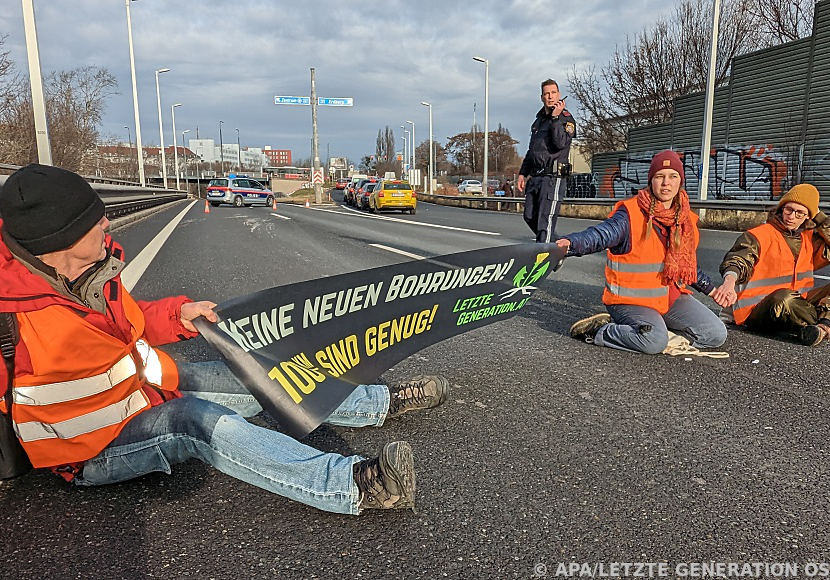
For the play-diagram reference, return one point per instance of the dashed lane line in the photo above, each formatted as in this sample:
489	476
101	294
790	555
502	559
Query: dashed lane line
397	251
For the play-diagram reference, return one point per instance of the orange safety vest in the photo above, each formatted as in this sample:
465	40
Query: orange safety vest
85	386
776	268
635	278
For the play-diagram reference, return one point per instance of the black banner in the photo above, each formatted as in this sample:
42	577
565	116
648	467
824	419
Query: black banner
301	348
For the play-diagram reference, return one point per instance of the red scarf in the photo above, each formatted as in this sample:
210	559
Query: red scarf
680	264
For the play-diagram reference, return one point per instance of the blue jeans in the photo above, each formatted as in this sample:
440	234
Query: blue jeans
208	424
686	316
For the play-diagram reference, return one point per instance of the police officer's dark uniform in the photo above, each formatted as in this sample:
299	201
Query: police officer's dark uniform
546	170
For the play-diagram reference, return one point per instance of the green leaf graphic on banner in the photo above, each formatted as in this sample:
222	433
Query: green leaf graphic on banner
525	278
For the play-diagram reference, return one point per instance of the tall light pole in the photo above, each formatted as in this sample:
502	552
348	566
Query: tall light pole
486	119
403	164
184	152
424	103
412	147
407	152
221	151
44	151
161	128
710	101
141	178
238	154
175	151
130	149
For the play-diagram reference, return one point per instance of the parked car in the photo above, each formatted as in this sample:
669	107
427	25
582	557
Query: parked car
239	191
341	183
492	186
470	186
394	194
363	200
359	189
348	193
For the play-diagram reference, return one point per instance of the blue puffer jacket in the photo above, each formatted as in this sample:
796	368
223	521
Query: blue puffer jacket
614	234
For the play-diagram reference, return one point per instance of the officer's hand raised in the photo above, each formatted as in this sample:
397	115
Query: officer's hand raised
558	108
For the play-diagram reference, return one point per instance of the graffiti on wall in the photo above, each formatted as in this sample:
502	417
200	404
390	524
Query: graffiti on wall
735	172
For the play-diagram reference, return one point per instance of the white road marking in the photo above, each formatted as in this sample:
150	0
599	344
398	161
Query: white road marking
397	251
378	217
282	217
821	277
133	271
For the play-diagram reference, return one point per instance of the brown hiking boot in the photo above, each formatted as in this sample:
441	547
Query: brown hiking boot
421	392
813	334
388	481
587	328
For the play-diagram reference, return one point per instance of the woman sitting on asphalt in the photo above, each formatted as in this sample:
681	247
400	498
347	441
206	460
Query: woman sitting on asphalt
768	273
652	241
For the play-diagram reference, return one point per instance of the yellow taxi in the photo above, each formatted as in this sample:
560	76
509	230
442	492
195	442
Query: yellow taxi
393	194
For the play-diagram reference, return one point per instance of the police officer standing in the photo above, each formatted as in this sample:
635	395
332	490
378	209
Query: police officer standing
545	169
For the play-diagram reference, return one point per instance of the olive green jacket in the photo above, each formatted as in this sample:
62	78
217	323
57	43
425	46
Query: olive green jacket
743	256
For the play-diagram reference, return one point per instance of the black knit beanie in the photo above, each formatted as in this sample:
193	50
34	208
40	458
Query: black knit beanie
46	208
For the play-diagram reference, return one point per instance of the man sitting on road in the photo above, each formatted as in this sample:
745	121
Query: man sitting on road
652	241
768	273
95	401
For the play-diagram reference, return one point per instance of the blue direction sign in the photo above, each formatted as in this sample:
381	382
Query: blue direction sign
336	101
292	100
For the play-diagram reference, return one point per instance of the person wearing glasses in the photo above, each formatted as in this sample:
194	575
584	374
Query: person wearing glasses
768	275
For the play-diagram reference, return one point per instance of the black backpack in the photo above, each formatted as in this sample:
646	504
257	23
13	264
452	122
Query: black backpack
13	459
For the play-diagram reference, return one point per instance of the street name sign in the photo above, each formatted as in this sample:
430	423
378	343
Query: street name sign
336	101
292	100
323	101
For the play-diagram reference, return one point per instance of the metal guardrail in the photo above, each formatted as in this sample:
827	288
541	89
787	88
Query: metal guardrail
121	197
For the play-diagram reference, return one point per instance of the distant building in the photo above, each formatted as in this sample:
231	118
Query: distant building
277	157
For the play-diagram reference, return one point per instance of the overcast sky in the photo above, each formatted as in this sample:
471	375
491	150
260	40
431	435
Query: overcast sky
229	58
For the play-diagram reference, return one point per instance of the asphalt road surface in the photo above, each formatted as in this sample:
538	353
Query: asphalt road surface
548	450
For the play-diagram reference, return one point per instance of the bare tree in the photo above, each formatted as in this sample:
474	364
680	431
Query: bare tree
385	157
669	59
782	21
75	103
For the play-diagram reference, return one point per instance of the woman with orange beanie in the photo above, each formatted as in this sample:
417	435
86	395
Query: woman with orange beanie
652	241
768	273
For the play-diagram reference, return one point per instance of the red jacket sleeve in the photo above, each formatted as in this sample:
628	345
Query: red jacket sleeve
162	320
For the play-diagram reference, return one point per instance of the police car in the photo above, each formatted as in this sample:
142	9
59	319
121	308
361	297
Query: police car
239	191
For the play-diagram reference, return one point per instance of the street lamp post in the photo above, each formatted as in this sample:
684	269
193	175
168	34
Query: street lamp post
710	100
221	151
44	150
486	115
184	153
406	152
135	100
238	154
424	103
412	147
161	128
175	151
130	149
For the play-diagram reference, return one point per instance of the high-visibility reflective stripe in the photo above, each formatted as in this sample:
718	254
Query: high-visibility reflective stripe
64	391
776	281
634	268
745	302
152	363
637	292
760	282
109	415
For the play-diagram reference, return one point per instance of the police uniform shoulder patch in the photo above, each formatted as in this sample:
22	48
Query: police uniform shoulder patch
570	128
